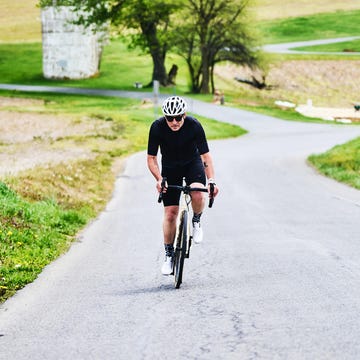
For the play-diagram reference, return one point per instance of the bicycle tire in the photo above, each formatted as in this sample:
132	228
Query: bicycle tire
180	251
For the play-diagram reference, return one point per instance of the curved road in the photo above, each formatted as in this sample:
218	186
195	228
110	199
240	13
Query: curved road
277	276
290	48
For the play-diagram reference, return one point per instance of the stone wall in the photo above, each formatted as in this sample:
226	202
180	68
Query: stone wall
69	51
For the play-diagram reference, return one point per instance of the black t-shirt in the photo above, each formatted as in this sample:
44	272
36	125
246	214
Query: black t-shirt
177	147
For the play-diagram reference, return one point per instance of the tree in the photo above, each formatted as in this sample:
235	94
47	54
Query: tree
152	17
149	18
214	31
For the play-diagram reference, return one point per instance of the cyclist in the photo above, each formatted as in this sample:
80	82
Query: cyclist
184	153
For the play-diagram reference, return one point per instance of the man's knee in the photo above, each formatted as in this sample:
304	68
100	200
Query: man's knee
197	196
171	213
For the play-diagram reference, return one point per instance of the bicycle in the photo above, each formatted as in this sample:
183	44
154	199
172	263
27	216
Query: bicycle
183	238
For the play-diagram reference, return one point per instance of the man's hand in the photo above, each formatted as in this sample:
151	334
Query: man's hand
161	185
212	188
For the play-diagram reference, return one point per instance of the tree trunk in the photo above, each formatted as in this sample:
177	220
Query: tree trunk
159	70
212	79
194	76
205	73
157	52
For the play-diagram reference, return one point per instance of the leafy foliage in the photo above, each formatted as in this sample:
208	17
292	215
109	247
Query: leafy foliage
216	32
45	3
149	20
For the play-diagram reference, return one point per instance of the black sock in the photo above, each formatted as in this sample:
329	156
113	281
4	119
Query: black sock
169	249
196	218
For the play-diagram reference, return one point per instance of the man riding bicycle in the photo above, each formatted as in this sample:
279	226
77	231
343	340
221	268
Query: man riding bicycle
184	154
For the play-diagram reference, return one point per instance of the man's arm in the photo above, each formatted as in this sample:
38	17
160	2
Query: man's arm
209	170
208	164
153	166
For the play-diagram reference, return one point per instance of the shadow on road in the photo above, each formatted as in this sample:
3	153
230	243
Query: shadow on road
150	290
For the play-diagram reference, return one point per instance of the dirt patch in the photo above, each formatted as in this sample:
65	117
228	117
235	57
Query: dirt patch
16	127
328	83
16	159
31	139
18	102
332	114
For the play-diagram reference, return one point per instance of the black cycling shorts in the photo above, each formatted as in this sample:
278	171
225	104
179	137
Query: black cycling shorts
192	172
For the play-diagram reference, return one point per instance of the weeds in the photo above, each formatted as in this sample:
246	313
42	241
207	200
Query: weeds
31	236
341	163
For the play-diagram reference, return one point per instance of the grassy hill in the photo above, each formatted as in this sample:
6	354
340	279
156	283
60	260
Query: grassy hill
19	21
280	9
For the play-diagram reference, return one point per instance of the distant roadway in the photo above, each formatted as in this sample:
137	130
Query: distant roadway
290	48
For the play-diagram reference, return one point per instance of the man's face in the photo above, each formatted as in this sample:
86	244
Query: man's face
175	122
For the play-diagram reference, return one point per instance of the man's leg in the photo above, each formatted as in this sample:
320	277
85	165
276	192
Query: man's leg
197	198
169	229
198	205
169	223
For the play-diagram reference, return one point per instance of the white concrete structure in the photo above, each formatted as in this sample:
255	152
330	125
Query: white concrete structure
69	51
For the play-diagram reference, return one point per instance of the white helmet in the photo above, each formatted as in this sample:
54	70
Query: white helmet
173	106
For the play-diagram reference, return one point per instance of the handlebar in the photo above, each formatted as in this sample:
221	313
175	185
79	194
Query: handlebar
186	189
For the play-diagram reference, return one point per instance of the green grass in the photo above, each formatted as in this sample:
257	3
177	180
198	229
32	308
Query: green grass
31	235
120	68
319	26
20	63
284	114
341	163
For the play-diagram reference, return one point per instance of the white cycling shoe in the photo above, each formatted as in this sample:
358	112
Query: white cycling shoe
168	265
197	233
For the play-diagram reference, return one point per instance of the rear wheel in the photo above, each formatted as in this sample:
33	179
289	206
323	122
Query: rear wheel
180	251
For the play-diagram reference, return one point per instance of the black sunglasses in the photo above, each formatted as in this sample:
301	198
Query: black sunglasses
178	118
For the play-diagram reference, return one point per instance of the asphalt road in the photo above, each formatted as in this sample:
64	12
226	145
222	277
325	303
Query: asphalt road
290	48
277	276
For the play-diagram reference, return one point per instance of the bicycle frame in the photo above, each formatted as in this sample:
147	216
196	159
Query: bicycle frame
183	238
185	200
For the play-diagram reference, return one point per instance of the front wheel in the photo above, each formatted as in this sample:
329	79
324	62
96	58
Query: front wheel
180	251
